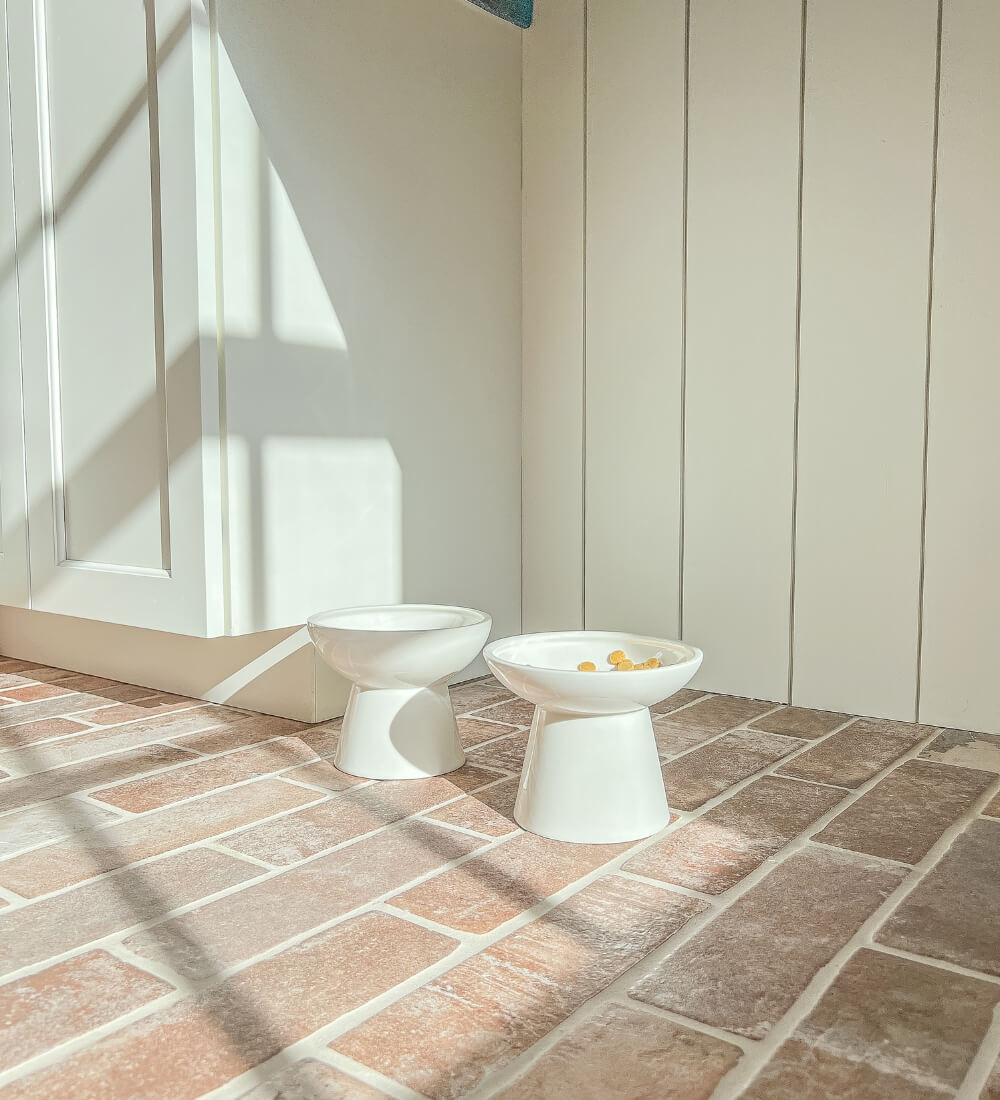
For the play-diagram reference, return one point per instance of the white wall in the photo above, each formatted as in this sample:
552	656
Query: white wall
371	272
781	272
368	389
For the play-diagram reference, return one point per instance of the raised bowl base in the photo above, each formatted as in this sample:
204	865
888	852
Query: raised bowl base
399	734
592	779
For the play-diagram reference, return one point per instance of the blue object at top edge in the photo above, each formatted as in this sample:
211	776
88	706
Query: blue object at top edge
518	12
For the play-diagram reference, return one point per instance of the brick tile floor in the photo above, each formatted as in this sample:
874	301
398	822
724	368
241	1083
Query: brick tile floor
194	900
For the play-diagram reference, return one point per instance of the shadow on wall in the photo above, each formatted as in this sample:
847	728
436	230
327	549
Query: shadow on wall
323	405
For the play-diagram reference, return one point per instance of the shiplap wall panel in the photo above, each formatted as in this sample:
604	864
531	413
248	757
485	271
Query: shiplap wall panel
634	235
961	628
868	154
552	320
743	173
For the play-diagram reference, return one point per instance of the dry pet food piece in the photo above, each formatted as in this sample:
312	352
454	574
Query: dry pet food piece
624	666
587	666
617	657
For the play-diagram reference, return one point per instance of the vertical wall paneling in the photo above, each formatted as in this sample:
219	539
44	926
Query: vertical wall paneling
742	244
961	620
13	505
634	244
553	319
866	209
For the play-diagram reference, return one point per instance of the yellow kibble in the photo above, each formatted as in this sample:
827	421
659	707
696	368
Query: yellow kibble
624	666
652	662
587	666
617	657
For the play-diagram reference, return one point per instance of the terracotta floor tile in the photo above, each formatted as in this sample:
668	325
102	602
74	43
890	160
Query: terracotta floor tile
203	775
47	708
471	777
95	851
861	750
29	827
43	730
312	1080
245	1020
323	738
490	812
706	772
720	848
107	689
507	753
474	694
322	773
28	789
31	692
970	750
745	969
69	750
243	924
35	932
694	724
14	680
118	713
69	999
352	814
473	732
491	888
800	722
444	1039
250	731
13	664
952	914
44	673
903	815
678	699
672	740
887	1029
630	1055
515	712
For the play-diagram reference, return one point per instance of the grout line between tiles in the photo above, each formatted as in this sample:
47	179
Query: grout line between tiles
314	1045
668	758
88	1039
937	964
619	988
988	1056
741	1075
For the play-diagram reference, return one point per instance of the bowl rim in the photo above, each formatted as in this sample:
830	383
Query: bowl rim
692	653
474	615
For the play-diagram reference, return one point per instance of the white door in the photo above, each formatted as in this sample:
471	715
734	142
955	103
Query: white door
13	522
112	143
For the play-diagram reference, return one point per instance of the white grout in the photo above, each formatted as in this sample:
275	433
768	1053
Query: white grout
469	944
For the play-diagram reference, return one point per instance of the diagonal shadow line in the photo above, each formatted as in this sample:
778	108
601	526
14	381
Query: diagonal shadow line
249	1033
49	219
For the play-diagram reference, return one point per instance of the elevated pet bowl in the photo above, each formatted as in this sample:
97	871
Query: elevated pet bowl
591	773
399	722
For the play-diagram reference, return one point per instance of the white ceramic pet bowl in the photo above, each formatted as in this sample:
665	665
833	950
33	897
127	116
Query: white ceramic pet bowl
399	722
591	773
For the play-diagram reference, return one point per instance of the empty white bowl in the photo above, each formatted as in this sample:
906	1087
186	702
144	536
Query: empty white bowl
591	772
399	722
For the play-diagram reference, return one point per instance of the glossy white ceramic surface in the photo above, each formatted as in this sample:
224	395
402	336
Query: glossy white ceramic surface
591	772
399	722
